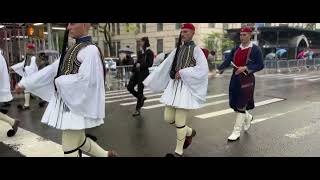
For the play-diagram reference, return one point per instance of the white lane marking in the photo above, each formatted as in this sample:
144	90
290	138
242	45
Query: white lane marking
314	79
279	114
297	76
307	77
229	110
131	98
279	75
133	103
162	105
215	103
121	90
153	106
126	92
301	132
30	144
126	95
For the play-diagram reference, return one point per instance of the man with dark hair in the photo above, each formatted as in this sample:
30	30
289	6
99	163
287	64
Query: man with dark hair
140	72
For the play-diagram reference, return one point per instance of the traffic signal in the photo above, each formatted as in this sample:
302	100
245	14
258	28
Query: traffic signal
30	31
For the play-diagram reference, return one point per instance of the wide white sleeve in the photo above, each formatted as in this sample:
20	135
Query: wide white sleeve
5	93
41	82
84	92
159	78
33	67
196	78
18	68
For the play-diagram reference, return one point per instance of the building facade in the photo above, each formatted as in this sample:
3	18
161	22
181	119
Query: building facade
162	36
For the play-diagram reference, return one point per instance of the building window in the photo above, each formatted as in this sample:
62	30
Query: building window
176	42
267	24
138	27
212	25
106	49
137	45
118	47
93	32
225	25
159	26
113	49
178	26
118	28
144	27
113	29
159	46
283	24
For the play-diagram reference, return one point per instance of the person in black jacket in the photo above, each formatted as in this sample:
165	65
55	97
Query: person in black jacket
139	72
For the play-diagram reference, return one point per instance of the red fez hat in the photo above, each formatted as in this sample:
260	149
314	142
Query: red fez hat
246	29
188	26
206	52
31	46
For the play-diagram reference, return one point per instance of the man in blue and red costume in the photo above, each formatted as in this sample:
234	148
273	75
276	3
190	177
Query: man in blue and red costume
245	59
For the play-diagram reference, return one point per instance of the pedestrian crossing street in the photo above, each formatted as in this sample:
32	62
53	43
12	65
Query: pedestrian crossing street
125	99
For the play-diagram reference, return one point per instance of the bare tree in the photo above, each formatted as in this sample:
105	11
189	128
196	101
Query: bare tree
106	30
311	26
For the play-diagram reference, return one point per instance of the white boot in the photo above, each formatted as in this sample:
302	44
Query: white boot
247	121
237	127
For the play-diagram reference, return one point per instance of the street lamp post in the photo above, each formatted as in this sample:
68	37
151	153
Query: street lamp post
49	36
256	34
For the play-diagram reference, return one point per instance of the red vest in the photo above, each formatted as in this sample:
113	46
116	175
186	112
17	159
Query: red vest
241	57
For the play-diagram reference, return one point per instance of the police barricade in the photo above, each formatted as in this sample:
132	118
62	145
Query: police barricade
310	63
293	65
270	66
317	63
282	66
118	76
302	65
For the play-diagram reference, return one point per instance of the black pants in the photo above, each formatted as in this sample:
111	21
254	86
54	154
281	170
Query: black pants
137	79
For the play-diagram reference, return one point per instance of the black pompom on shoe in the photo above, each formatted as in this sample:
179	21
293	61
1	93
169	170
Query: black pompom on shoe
14	129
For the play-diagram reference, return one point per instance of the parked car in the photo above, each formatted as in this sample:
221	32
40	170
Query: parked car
111	63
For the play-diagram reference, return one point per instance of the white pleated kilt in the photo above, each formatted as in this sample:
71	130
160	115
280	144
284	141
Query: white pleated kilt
58	118
5	96
178	95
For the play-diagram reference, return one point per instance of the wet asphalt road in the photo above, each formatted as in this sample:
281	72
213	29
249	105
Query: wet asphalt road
289	127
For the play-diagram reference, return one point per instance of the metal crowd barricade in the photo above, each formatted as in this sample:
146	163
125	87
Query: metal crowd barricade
302	65
317	63
270	65
293	65
310	63
282	65
118	76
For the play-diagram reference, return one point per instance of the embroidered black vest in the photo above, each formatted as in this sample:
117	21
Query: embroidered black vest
71	64
185	56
